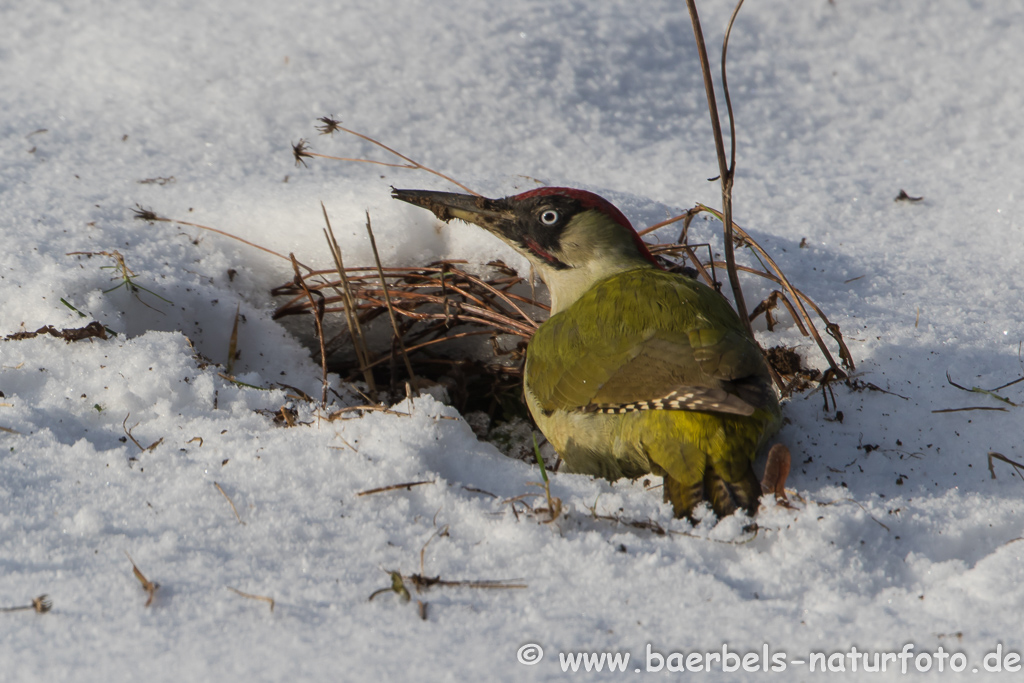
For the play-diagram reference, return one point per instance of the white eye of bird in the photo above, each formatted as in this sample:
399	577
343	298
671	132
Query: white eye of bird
549	217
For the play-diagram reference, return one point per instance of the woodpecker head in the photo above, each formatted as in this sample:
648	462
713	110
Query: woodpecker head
573	238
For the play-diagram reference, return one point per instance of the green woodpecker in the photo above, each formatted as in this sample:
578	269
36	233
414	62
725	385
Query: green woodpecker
637	370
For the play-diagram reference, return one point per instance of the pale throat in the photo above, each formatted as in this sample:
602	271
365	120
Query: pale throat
566	286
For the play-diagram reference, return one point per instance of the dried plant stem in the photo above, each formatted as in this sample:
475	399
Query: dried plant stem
394	487
150	587
798	298
667	221
725	170
233	342
999	456
725	88
250	596
230	502
351	315
41	604
317	306
387	300
414	164
361	161
147	215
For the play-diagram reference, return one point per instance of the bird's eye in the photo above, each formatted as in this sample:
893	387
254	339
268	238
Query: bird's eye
549	217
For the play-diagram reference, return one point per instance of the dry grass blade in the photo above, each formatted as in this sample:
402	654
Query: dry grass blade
351	314
233	342
330	125
250	596
443	531
992	455
369	407
725	168
150	216
70	334
421	582
149	586
395	487
987	392
41	605
798	298
317	306
387	300
429	309
230	502
128	432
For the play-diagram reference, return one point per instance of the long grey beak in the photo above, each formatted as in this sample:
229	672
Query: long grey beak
491	214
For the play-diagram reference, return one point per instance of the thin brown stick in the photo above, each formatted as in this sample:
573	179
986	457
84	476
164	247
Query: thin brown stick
351	316
387	300
725	88
361	161
784	281
369	407
128	432
150	587
230	502
999	456
394	487
443	531
41	604
318	316
233	342
147	215
267	599
421	582
724	169
415	163
667	221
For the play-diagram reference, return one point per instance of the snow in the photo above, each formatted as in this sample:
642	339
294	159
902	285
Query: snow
898	535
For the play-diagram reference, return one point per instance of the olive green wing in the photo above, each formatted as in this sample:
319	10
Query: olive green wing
647	339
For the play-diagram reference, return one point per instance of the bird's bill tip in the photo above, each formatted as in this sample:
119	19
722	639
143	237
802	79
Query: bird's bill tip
449	205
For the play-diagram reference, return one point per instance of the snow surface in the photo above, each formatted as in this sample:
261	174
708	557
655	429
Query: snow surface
901	535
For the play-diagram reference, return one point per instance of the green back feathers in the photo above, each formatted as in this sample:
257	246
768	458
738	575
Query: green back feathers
641	335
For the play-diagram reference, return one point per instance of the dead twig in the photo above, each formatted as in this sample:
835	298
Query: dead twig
992	455
128	432
149	586
394	487
317	306
987	392
372	408
233	342
41	604
230	502
250	596
726	169
92	330
351	314
424	582
387	300
331	125
148	215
